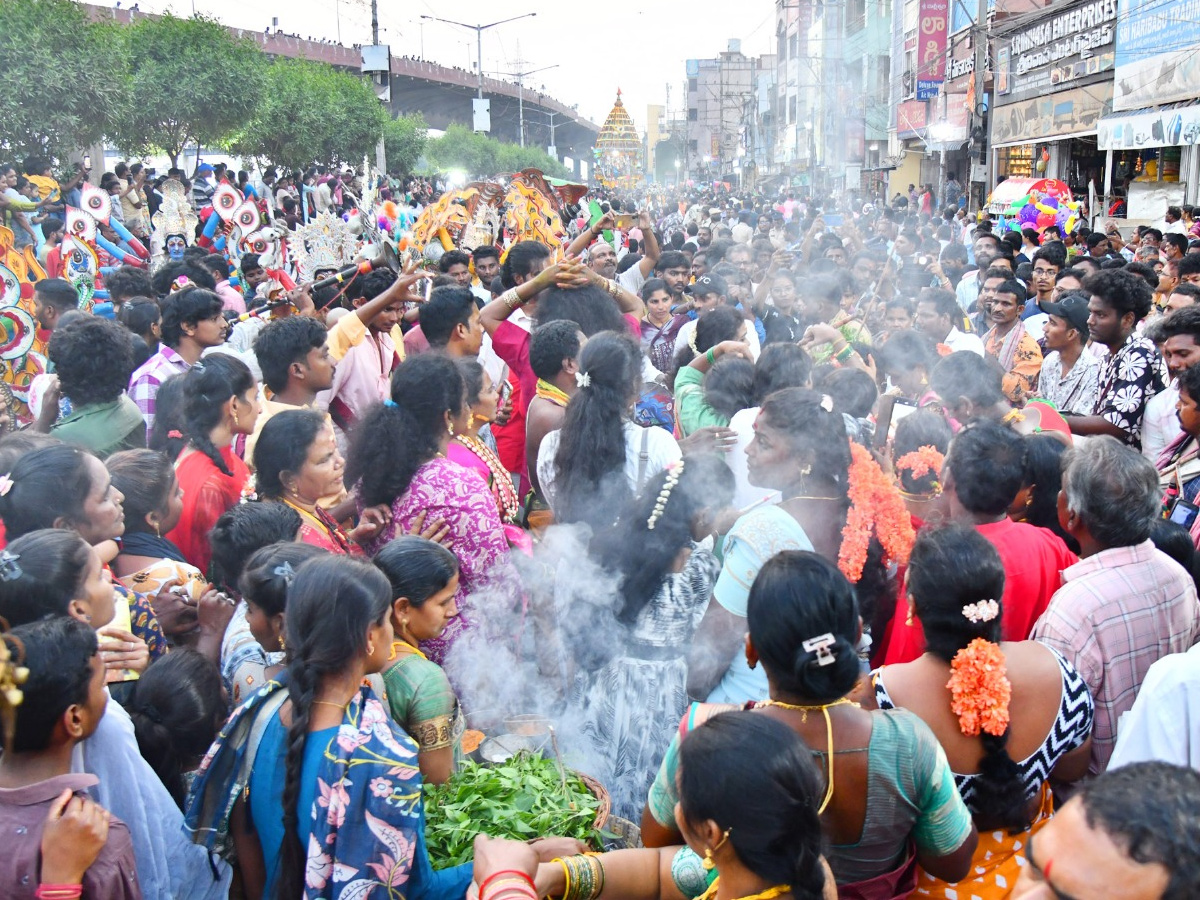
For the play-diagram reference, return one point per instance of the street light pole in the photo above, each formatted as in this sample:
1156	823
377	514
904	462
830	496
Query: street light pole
479	30
521	98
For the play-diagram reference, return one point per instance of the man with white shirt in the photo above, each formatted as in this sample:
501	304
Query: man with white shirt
938	316
1173	221
1069	378
1180	351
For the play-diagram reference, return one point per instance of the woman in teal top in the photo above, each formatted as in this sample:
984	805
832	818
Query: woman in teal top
319	746
424	579
887	786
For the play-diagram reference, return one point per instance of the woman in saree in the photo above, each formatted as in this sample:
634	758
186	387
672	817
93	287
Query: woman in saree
469	449
296	463
398	459
1009	715
424	580
747	819
1179	464
318	745
888	801
836	501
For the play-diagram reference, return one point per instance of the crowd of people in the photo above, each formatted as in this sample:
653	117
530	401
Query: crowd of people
853	551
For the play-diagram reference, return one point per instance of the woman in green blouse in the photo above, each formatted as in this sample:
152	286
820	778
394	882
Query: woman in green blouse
424	579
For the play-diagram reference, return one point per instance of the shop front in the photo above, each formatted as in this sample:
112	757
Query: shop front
1151	139
1053	83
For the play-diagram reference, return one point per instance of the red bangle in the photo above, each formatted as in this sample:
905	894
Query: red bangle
516	872
58	891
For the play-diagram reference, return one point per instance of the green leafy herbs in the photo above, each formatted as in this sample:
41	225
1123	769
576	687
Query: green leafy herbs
519	799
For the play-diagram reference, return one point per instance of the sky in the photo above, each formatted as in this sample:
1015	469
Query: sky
597	48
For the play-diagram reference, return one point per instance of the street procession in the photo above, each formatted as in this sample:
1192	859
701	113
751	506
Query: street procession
657	470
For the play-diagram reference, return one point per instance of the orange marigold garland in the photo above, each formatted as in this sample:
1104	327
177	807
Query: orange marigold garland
875	508
922	461
979	689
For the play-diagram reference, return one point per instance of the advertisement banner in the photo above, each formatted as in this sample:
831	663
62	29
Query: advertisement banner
1171	127
1051	118
1156	59
1063	49
932	22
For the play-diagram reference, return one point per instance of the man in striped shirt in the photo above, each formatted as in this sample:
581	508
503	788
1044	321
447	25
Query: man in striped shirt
1125	604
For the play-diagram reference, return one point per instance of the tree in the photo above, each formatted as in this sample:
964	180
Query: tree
481	156
192	82
311	112
65	82
404	140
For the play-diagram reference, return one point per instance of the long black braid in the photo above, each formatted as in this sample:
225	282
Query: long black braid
207	387
332	603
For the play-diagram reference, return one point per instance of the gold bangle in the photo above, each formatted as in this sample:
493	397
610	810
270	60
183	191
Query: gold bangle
614	289
512	299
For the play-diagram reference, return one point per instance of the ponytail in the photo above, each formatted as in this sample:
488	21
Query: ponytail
207	387
590	462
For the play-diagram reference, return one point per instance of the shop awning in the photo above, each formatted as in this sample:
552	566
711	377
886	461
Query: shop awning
1138	129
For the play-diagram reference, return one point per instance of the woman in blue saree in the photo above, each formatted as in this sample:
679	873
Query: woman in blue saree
318	745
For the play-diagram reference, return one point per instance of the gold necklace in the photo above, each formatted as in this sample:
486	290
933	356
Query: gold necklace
341	706
769	894
824	708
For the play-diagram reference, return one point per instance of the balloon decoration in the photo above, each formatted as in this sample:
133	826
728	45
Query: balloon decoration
1039	210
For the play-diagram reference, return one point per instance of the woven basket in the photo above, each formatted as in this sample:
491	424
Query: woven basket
599	792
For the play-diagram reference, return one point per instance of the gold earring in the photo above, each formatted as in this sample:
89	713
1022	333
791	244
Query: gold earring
709	863
908	619
157	532
282	643
370	649
805	471
450	428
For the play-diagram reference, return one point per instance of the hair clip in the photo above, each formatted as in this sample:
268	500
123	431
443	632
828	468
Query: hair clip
176	434
981	611
583	379
820	645
390	403
180	283
285	571
673	472
827	403
6	484
9	570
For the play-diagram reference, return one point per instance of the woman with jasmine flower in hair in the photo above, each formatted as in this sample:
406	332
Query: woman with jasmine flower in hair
633	695
1010	716
590	468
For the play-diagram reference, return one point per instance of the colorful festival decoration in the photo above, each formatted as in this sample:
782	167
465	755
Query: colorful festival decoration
618	150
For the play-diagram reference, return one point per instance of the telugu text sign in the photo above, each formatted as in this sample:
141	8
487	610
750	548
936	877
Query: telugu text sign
932	23
1156	58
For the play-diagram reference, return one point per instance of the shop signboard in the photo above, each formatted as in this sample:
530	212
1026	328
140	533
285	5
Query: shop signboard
1156	58
1060	51
1177	126
932	22
1051	118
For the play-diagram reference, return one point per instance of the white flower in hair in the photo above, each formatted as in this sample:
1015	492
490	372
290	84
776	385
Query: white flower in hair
981	611
827	403
583	379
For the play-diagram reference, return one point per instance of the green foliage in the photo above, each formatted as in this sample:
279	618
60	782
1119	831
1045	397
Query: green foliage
64	77
482	156
521	799
404	142
311	112
191	81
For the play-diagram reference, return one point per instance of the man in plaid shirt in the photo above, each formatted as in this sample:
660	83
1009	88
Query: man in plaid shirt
192	321
1125	604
